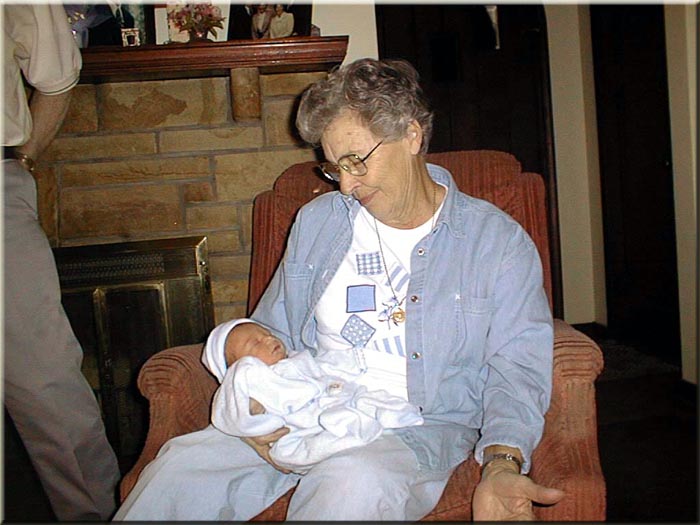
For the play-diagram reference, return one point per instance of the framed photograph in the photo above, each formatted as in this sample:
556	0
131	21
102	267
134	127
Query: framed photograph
302	17
114	23
131	37
167	32
269	20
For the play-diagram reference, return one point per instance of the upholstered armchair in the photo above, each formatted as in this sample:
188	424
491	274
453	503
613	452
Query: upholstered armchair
179	388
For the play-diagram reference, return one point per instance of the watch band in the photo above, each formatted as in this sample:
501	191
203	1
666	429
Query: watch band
508	457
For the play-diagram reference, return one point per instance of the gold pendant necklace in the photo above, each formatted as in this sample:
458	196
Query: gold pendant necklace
394	310
398	315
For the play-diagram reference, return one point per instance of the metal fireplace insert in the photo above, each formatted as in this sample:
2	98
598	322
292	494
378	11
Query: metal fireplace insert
125	302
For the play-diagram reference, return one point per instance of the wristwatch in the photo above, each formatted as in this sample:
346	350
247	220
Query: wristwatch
508	457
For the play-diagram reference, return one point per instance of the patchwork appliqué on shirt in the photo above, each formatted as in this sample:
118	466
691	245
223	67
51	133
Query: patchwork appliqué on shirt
399	277
360	298
369	263
357	332
390	345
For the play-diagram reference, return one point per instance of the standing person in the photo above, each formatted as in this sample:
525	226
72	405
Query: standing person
282	23
439	296
260	24
45	392
113	18
239	21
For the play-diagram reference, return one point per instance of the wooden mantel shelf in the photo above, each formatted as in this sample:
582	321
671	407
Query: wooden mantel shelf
161	62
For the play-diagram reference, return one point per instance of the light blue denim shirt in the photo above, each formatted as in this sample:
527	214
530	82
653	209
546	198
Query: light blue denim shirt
479	333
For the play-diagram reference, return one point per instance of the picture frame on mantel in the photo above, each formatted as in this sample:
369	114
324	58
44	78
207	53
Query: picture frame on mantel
110	24
245	25
238	22
167	33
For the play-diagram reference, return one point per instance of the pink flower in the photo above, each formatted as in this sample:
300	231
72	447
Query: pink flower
200	17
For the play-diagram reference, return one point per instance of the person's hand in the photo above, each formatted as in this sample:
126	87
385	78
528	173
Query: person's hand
255	407
262	444
505	495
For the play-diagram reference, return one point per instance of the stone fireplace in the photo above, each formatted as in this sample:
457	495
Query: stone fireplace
175	141
146	196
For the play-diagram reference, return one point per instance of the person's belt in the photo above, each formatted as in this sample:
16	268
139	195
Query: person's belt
8	152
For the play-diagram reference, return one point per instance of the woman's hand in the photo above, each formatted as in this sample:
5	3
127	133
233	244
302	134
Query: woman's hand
505	495
262	444
255	407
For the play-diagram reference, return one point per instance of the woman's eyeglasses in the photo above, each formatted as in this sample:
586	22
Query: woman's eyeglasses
351	163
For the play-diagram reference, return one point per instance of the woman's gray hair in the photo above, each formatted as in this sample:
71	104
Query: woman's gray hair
384	93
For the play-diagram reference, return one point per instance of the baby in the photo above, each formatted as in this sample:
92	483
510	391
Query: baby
262	390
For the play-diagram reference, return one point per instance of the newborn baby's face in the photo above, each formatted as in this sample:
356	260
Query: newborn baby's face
250	339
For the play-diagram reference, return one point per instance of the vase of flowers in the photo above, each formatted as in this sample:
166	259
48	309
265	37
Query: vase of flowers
198	20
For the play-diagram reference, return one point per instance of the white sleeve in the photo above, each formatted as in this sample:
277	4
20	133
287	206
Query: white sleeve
45	48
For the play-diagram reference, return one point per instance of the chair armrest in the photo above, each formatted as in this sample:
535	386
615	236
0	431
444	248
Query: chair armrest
574	467
567	457
575	355
179	390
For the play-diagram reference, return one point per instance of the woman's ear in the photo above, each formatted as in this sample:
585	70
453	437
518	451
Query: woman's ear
414	135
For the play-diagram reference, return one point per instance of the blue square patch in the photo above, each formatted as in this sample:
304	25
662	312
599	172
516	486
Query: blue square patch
369	263
360	298
357	332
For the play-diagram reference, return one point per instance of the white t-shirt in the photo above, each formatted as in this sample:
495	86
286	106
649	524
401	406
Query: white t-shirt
352	313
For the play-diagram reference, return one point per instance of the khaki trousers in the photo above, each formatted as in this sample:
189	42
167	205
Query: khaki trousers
45	392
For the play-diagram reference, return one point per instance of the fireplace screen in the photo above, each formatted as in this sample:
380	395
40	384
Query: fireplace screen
127	301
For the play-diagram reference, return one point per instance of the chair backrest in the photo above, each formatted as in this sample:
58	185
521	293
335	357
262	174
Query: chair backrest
494	176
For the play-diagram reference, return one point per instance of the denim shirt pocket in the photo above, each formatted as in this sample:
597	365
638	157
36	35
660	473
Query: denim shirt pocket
472	323
297	289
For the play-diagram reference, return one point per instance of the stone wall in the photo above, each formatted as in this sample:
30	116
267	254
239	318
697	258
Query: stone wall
158	159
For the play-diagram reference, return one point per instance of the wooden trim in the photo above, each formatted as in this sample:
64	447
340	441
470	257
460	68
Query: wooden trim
551	172
161	62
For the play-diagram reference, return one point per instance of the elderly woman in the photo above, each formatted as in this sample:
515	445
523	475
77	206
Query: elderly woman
437	295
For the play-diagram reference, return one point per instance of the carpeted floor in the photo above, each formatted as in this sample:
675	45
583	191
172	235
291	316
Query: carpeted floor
626	362
647	437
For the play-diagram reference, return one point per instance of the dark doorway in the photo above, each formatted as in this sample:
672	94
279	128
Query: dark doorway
636	176
486	74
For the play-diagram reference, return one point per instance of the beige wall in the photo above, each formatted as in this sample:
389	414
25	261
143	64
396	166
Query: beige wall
573	99
356	20
681	38
576	157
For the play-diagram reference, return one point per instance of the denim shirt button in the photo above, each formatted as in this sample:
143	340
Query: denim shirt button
421	251
416	355
414	298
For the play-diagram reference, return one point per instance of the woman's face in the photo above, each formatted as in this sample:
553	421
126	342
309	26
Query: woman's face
388	189
279	9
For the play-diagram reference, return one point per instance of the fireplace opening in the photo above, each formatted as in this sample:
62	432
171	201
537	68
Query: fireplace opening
127	301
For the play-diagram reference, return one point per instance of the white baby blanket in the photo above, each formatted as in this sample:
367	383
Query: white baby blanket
325	413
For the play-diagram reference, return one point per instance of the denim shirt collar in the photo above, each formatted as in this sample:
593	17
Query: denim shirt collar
452	214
